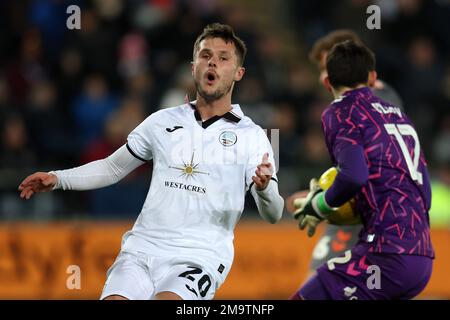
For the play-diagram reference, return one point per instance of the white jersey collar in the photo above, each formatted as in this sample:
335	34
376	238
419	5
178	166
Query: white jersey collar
235	115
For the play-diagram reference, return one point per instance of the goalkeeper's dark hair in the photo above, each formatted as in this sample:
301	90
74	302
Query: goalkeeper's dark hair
348	64
226	33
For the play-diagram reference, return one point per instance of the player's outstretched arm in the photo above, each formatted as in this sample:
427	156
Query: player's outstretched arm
37	182
265	192
94	175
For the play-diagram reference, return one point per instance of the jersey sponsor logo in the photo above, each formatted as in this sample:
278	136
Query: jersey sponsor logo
228	138
189	169
188	187
174	128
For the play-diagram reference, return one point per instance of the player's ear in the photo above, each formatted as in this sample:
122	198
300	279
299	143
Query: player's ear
372	78
239	73
378	85
192	68
326	83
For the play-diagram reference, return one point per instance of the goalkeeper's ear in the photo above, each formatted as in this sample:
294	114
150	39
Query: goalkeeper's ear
372	79
326	83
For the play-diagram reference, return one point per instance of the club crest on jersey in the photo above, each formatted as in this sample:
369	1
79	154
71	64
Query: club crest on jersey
228	138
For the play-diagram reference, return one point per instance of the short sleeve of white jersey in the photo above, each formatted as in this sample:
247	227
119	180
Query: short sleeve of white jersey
259	146
140	140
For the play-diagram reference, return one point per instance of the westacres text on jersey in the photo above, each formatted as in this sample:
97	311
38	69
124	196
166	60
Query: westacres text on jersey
189	187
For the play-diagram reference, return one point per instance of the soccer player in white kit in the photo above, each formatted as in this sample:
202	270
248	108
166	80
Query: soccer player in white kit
206	156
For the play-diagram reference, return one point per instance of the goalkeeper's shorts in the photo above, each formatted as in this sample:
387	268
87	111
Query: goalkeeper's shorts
363	275
334	242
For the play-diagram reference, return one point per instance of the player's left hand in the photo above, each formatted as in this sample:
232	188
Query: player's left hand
264	172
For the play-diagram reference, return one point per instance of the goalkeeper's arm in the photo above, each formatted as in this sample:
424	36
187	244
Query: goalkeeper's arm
353	174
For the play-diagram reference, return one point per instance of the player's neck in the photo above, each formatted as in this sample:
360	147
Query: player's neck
338	92
208	109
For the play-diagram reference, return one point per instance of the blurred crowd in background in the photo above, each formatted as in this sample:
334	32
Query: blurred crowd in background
68	97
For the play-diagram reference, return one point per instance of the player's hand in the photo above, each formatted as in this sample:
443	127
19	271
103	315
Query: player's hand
290	207
37	182
264	172
311	210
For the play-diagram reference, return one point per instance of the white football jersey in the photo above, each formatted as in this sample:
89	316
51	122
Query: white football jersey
201	173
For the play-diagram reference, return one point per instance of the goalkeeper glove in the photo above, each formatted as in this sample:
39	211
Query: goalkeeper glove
313	209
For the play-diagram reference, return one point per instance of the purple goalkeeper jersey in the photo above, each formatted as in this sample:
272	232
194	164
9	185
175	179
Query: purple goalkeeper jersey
394	203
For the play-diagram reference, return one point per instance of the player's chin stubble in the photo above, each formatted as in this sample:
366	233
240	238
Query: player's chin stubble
216	95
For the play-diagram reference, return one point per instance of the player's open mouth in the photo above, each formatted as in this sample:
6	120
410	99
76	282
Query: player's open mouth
211	77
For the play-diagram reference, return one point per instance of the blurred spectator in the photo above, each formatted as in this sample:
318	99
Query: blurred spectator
133	55
70	76
274	69
5	103
142	86
184	88
118	125
446	84
441	145
27	68
289	141
91	108
16	161
251	96
109	10
409	18
125	198
313	158
301	84
148	15
423	72
97	43
50	18
15	149
50	134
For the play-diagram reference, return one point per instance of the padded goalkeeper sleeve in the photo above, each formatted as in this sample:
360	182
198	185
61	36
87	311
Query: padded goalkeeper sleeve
269	202
98	174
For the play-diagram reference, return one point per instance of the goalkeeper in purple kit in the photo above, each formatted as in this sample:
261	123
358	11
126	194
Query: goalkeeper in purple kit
382	168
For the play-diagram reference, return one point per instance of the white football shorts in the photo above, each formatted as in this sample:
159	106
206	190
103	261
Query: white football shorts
139	276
